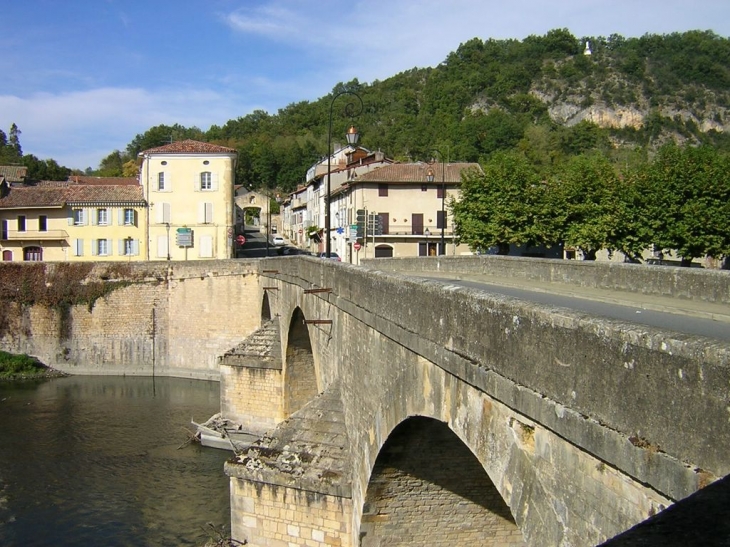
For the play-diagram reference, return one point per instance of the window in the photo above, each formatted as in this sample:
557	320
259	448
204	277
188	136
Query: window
205	213
78	247
79	218
33	254
382	190
42	223
206	181
4	230
161	182
440	192
128	247
440	219
424	188
427	249
21	223
102	247
102	217
127	217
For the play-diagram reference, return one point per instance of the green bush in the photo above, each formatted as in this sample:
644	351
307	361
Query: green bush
13	365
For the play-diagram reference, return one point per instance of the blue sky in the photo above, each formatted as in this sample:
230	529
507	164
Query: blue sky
82	78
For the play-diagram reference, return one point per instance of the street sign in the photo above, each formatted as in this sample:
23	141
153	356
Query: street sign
240	240
184	237
357	246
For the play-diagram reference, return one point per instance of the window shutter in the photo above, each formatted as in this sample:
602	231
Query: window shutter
134	217
214	181
94	218
93	247
135	247
196	182
110	247
201	212
161	246
71	217
166	212
209	213
79	244
120	217
84	217
206	246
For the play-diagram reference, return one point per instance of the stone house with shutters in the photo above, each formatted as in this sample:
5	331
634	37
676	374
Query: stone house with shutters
82	219
409	202
188	186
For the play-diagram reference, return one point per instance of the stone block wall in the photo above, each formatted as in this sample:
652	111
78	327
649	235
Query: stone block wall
251	397
268	515
171	319
688	283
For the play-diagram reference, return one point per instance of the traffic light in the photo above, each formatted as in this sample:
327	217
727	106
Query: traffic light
361	216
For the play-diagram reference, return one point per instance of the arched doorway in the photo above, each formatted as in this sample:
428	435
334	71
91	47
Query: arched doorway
427	488
33	254
300	378
383	251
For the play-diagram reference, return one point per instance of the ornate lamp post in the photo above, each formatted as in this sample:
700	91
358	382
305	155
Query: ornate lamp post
352	137
430	177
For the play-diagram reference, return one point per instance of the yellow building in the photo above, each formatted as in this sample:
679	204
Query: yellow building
76	220
189	188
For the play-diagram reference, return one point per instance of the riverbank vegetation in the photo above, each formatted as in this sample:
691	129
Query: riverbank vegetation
23	367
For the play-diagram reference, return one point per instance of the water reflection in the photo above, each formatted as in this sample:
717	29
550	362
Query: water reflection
97	461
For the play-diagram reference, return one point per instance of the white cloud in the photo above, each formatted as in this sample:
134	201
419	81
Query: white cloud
62	126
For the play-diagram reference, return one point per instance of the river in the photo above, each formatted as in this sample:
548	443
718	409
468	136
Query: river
99	460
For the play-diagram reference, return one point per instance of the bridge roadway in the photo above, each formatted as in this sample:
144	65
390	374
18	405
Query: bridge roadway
693	317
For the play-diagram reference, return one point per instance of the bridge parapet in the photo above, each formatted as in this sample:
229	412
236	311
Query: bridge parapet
685	283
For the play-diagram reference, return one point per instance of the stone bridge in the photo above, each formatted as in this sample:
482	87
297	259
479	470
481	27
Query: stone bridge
393	410
399	411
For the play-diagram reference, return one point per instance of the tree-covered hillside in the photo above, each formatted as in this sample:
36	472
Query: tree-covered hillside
541	95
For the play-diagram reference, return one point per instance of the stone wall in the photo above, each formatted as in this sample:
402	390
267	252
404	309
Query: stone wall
676	282
581	423
269	515
251	397
172	319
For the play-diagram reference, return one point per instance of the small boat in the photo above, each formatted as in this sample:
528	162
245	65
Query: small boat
219	432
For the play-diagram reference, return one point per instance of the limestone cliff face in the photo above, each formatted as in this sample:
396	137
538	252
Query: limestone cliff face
605	104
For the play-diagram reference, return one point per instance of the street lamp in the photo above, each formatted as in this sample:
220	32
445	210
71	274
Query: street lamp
430	177
352	137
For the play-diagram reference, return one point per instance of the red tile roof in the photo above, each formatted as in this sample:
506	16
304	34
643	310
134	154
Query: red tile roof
416	173
190	146
83	179
89	194
27	197
13	173
81	194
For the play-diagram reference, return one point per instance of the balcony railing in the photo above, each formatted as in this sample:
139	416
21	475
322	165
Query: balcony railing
33	235
409	230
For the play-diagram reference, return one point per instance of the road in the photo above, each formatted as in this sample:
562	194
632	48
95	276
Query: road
705	319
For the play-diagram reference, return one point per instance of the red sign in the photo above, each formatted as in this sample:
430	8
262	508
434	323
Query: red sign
241	240
300	231
356	246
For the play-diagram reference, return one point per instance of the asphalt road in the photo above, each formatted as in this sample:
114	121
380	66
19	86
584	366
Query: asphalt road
700	319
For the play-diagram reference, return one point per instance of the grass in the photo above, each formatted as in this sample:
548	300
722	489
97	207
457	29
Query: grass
20	366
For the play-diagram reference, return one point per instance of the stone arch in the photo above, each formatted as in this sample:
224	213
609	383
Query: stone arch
265	308
428	488
300	377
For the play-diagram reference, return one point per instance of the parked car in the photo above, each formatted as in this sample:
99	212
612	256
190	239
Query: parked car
278	240
333	256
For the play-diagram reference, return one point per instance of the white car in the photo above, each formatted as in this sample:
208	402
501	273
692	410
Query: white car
278	240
